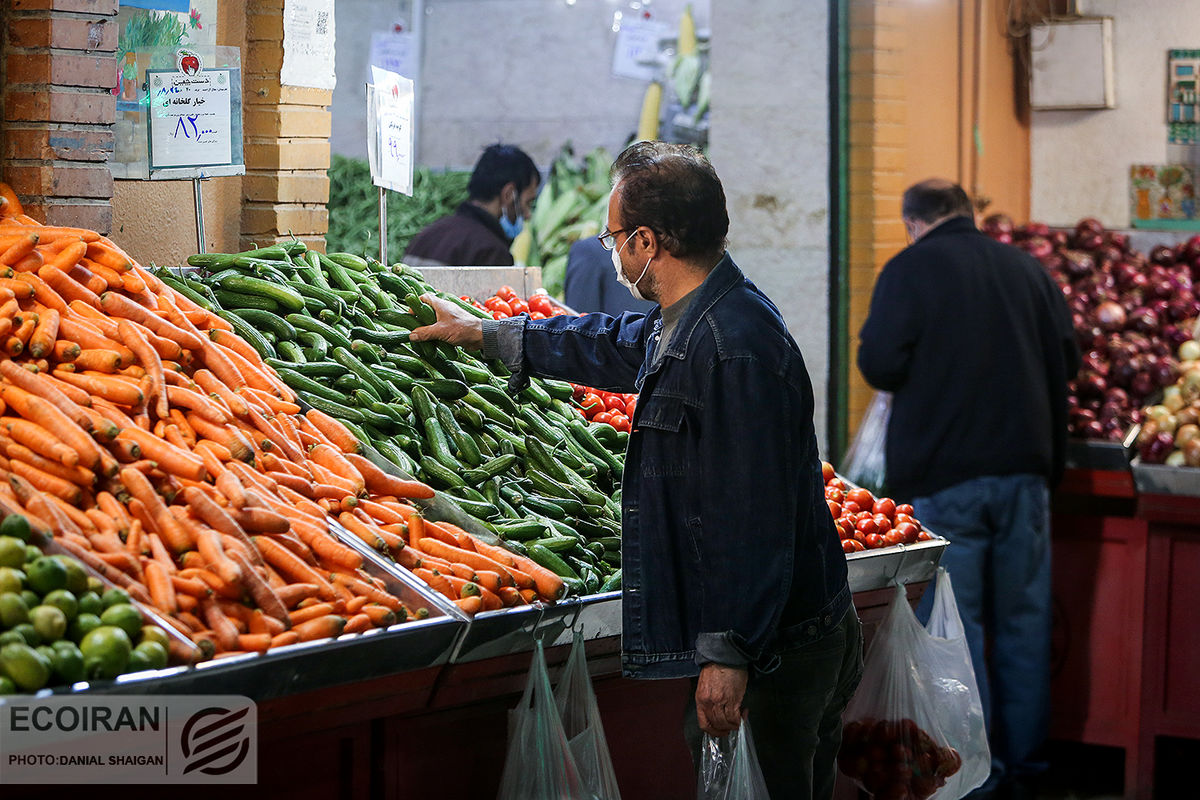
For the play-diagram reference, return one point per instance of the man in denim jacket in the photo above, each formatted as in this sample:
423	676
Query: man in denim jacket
732	567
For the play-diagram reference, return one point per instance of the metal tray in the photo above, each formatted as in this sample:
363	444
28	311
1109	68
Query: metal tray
513	630
1161	479
902	563
1087	454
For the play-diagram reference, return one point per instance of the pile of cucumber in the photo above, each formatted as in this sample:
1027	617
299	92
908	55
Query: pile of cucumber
335	327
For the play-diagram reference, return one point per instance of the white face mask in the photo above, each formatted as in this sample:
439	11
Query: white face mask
621	279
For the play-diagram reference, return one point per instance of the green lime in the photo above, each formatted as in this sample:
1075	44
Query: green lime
153	633
64	601
90	603
105	652
16	526
46	652
46	574
7	686
28	633
27	668
148	655
95	585
114	597
68	662
82	625
11	580
12	551
11	637
125	617
32	553
78	580
31	598
49	622
13	610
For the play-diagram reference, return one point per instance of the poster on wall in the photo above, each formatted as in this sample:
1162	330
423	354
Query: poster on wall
1163	196
190	115
308	41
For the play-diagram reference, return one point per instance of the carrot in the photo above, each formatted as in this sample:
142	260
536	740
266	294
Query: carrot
510	596
132	338
173	532
114	390
68	257
222	627
135	589
110	277
78	272
327	549
209	544
548	585
39	440
260	591
435	530
118	305
227	435
374	593
437	581
65	285
357	624
162	591
380	513
261	520
46	414
379	482
88	335
368	534
252	376
106	361
198	403
334	432
491	580
19	453
45	334
292	594
47	389
469	605
325	627
101	253
47	482
290	565
382	616
172	459
209	382
218	450
305	613
193	587
230	487
25	325
19	249
491	600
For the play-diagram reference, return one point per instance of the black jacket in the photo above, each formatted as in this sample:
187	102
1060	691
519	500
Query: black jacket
975	340
470	237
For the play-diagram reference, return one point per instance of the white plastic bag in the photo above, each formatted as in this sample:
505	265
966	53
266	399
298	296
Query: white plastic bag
729	768
539	764
915	727
865	462
582	724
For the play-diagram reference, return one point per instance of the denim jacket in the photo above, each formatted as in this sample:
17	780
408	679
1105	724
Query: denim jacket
728	549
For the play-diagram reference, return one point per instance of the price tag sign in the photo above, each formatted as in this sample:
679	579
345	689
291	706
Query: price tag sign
190	119
308	44
395	52
635	54
390	131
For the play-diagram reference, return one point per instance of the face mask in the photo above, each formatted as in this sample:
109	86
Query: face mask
512	227
621	279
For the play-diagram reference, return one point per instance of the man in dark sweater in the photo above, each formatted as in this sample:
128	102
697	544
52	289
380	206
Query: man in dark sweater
501	192
974	339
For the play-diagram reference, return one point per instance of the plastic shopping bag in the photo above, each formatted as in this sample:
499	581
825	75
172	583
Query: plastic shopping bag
915	727
729	768
865	463
539	764
584	730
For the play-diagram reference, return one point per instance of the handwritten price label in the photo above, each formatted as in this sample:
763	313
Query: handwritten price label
190	119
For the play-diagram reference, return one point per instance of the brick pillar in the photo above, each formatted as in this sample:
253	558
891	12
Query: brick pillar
286	141
59	63
878	116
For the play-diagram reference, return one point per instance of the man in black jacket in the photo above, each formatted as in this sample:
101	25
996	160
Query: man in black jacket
974	339
479	233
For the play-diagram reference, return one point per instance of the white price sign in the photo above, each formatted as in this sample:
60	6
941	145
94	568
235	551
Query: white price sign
308	44
635	54
392	131
395	52
189	118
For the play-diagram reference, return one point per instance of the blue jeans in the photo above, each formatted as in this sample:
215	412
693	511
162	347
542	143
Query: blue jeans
999	559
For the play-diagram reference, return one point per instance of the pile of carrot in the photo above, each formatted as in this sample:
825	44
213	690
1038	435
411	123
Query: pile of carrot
158	448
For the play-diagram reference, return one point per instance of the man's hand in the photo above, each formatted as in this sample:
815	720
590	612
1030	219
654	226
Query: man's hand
454	325
719	698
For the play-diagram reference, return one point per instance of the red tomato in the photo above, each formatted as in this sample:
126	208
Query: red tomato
536	315
558	312
904	508
908	532
906	518
874	541
924	536
499	315
893	538
885	506
836	495
835	508
629	397
603	416
592	404
848	505
497	304
827	471
518	306
867	527
614	403
884	524
848	545
620	422
861	496
630	405
577	390
847	526
838	482
506	293
541	303
858	546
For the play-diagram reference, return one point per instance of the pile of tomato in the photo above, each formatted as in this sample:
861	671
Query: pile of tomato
866	522
611	408
507	303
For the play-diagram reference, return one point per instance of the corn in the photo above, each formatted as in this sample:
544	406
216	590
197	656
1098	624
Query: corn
686	46
521	246
651	102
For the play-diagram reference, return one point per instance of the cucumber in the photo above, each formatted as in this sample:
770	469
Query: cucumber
333	409
264	320
490	469
544	506
368	353
437	472
313	369
249	333
445	389
327	332
385	338
315	348
212	260
464	445
552	562
290	351
558	544
520	530
307	386
283	295
238	300
439	446
349	261
498	396
476	508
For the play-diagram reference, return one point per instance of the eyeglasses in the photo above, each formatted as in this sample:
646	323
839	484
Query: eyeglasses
608	239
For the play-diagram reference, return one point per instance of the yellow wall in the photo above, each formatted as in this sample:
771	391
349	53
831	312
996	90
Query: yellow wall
155	220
